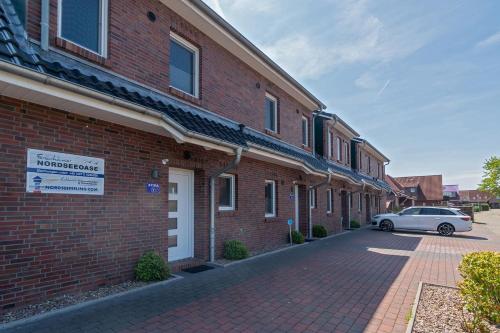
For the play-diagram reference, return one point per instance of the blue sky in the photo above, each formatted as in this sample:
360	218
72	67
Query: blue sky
418	79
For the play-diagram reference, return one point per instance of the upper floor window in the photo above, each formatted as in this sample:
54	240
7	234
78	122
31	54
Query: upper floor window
346	152
84	23
360	161
271	113
184	65
329	144
226	192
369	165
305	131
339	150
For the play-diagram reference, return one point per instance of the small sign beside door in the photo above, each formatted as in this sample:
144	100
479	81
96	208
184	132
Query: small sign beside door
153	188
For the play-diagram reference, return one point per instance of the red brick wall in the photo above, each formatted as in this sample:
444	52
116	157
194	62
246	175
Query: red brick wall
139	50
54	243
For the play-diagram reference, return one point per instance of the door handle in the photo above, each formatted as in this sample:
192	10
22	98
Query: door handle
437	218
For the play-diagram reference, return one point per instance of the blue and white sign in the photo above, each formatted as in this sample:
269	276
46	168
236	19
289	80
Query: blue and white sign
290	221
53	172
153	188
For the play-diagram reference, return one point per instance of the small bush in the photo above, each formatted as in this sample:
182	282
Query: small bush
355	224
151	267
480	288
477	209
297	237
319	231
485	207
235	250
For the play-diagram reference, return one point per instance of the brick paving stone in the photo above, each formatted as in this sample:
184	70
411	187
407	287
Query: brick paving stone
364	281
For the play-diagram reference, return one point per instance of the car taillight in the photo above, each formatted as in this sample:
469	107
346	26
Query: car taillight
466	218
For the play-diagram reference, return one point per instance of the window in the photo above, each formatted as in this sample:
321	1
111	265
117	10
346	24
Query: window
20	8
339	150
369	165
346	152
305	131
84	23
184	65
226	192
330	144
413	190
312	198
447	212
360	202
378	169
270	197
430	211
329	201
350	200
410	211
360	161
271	112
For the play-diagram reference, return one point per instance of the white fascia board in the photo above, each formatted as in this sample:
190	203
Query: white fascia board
44	91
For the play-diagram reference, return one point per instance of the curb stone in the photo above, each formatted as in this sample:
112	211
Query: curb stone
85	304
409	328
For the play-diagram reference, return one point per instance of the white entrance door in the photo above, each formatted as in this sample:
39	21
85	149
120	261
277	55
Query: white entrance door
296	198
180	214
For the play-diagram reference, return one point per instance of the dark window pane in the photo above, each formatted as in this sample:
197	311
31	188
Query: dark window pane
172	223
412	211
304	131
429	211
181	67
172	241
80	22
270	115
225	191
269	198
20	7
446	212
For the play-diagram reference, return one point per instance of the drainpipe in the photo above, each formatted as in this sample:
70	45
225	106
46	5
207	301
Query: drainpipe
312	187
228	167
44	25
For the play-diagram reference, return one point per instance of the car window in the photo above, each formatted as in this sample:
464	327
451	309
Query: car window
429	211
459	212
410	211
447	212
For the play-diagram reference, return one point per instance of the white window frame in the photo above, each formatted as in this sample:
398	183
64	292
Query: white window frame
305	121
232	194
103	22
329	144
312	198
339	147
273	214
275	100
329	196
196	89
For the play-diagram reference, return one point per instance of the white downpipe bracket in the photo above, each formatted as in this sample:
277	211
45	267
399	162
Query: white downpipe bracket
228	167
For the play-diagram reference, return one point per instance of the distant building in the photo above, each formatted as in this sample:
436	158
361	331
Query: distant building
451	193
476	197
428	190
398	198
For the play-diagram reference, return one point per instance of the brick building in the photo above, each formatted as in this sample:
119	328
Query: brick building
428	190
128	126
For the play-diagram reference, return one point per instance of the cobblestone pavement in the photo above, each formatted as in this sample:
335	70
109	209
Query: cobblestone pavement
363	281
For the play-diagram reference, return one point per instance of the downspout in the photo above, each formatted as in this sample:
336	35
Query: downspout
44	25
311	188
228	167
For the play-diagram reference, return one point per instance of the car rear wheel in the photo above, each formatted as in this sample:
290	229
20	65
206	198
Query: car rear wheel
386	225
446	229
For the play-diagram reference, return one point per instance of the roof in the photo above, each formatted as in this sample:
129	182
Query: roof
431	186
450	188
340	121
373	149
475	196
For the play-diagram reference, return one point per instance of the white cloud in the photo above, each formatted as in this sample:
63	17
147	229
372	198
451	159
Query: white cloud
260	6
491	40
383	88
216	6
353	35
366	81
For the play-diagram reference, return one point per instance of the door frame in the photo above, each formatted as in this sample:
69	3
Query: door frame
190	212
297	211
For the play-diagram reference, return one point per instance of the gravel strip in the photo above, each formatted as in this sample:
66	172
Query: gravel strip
67	300
440	310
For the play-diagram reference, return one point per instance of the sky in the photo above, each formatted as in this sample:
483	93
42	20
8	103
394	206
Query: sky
420	79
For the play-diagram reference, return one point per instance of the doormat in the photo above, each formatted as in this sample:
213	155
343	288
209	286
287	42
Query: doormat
310	239
198	269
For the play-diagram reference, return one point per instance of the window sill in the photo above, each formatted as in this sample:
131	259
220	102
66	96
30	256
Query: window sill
272	133
270	219
81	52
185	96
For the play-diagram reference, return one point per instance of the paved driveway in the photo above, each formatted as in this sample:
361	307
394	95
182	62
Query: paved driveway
363	281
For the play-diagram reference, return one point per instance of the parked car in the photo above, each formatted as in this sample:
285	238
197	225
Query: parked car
446	221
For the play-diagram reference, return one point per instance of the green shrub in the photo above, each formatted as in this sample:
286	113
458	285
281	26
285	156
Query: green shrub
485	207
319	231
297	237
355	224
151	267
235	250
480	288
477	209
